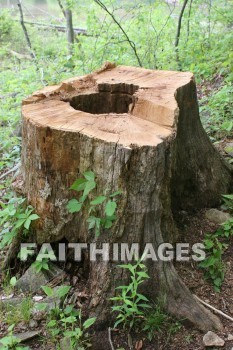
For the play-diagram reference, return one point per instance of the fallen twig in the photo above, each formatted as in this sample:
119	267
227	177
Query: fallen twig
78	31
10	171
213	308
110	338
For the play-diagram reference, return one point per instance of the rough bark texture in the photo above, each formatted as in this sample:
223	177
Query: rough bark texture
140	132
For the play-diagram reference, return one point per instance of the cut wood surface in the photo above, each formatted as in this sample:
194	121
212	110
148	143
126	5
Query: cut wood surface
139	131
142	112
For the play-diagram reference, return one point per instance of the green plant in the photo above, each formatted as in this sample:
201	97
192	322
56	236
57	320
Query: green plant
131	304
213	265
228	201
15	314
101	209
10	342
15	217
215	247
155	321
66	321
41	265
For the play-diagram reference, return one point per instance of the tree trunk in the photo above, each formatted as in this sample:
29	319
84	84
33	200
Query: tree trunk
70	30
139	131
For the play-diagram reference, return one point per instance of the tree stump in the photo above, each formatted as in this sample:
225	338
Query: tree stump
139	131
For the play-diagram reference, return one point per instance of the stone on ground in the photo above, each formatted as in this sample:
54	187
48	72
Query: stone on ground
212	339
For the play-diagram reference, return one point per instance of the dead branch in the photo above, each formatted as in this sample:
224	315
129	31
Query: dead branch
213	308
78	31
110	338
62	8
15	168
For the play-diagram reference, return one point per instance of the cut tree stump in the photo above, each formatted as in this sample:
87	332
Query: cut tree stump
139	131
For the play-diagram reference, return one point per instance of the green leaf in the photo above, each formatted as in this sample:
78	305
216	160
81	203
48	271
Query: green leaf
142	274
90	185
98	200
62	291
114	194
34	217
89	322
41	306
110	208
74	206
89	175
70	319
19	223
48	291
91	220
107	224
13	281
78	185
52	323
27	224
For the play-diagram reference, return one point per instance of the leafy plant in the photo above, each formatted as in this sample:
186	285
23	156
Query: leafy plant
215	247
15	217
41	265
131	304
228	201
213	265
10	342
101	209
66	321
155	321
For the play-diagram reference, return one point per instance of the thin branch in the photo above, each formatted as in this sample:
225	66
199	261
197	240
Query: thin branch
188	23
178	33
179	23
62	8
110	338
15	168
25	29
213	308
131	43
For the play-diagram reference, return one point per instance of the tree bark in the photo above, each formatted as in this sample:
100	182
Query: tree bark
70	30
139	131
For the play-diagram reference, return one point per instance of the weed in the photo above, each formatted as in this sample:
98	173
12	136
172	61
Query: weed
66	321
10	342
105	204
130	303
15	217
41	265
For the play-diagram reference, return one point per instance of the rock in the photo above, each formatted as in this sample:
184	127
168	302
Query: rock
27	335
23	337
32	281
212	339
33	324
10	303
217	216
65	344
230	337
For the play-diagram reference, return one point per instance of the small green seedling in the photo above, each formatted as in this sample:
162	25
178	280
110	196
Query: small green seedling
101	209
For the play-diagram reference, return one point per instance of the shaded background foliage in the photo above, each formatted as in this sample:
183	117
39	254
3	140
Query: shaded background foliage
204	48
